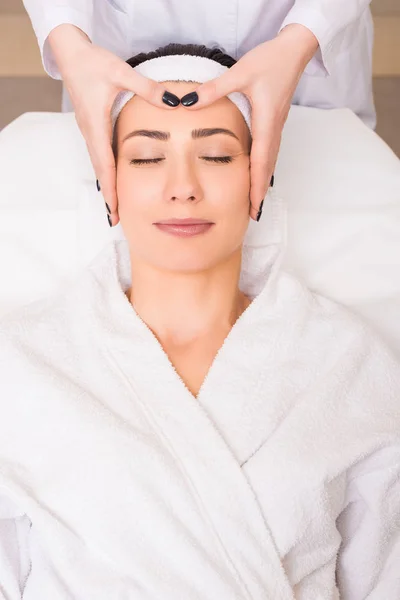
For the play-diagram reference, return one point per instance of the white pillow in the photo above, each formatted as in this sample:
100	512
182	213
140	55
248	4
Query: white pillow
342	184
340	180
43	163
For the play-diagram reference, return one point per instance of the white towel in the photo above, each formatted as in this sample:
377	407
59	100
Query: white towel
182	67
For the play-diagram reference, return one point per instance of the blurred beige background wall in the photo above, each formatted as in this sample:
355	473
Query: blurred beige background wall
24	86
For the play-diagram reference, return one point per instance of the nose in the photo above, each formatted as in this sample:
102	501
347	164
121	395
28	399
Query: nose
183	184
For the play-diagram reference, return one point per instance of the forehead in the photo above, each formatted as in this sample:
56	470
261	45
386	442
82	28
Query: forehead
138	113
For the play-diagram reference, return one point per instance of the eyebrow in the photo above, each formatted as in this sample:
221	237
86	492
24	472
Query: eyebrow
165	135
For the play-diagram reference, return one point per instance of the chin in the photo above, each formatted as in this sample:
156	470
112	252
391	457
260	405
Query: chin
187	264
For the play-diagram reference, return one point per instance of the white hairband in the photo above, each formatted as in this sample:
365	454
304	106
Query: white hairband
181	67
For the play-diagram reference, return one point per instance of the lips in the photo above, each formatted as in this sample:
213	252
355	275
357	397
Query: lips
185	227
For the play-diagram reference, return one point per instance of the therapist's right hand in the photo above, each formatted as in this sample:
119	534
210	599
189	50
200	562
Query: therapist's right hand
93	77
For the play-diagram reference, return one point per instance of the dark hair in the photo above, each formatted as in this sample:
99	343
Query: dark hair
192	49
214	53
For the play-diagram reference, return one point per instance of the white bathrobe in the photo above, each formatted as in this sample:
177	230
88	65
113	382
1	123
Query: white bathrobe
281	481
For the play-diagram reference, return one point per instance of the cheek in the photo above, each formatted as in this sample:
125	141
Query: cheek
231	188
242	181
231	207
135	191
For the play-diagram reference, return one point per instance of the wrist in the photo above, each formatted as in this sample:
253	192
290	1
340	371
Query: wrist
66	40
300	42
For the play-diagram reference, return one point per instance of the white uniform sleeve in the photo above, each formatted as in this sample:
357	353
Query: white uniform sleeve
327	19
15	563
368	565
45	15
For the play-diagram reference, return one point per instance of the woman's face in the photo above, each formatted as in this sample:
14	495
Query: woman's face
174	174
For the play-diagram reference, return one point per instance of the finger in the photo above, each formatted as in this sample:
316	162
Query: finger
217	88
263	174
265	150
102	157
150	90
262	158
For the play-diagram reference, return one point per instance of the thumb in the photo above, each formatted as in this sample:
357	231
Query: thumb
150	90
217	88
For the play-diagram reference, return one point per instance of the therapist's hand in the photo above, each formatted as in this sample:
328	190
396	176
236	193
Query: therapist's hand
93	77
268	75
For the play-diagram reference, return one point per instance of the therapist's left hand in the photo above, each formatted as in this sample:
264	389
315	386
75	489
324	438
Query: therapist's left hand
268	75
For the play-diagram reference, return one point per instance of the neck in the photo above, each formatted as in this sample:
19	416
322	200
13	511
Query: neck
184	308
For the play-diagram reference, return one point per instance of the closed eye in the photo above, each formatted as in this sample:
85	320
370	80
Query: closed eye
220	159
146	161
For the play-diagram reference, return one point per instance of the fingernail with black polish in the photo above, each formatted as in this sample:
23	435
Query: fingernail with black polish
272	181
108	209
109	220
189	99
258	217
97	185
170	99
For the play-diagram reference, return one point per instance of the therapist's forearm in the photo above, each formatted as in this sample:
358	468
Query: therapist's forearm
300	42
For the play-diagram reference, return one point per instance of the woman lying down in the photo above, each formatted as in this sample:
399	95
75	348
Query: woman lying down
188	421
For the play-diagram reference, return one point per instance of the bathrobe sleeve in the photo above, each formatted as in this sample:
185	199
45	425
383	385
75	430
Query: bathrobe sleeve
368	565
15	561
328	20
45	15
